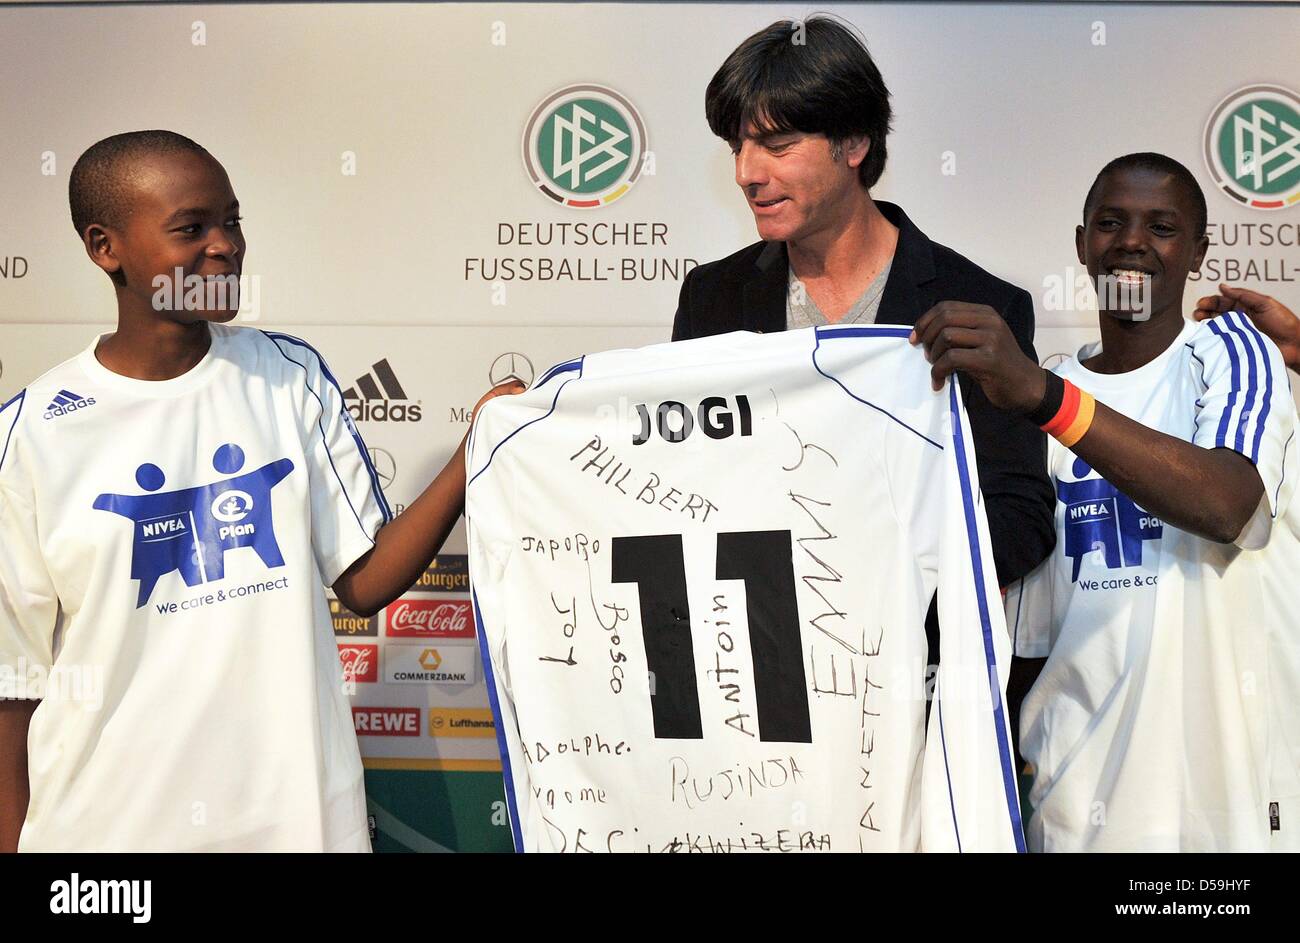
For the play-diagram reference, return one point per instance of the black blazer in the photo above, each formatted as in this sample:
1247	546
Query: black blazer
746	292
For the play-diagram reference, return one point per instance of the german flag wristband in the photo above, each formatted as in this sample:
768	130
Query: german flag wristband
1073	415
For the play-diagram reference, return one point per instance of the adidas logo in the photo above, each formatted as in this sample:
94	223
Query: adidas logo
65	402
367	401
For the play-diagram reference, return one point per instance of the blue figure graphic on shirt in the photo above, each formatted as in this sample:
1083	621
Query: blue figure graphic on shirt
190	530
1100	517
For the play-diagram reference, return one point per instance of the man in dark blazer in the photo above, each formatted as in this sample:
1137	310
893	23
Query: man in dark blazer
806	114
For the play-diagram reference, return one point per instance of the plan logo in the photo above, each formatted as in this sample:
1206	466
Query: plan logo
1252	147
584	146
378	396
1101	519
190	530
65	402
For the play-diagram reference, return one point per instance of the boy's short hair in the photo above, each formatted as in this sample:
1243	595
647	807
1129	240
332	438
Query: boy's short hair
99	188
1157	163
816	77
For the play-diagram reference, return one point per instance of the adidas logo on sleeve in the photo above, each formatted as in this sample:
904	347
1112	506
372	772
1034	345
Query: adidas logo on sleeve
65	402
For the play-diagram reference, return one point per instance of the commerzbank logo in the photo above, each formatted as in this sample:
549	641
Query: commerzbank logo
584	146
1252	146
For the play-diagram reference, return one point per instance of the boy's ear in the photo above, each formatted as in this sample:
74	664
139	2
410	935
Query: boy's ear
99	244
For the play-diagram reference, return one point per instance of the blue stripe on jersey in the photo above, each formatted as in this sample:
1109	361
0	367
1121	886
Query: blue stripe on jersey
943	742
384	509
831	331
1267	405
865	332
1221	436
489	679
559	389
1252	385
69	396
566	367
319	425
1282	477
977	565
19	398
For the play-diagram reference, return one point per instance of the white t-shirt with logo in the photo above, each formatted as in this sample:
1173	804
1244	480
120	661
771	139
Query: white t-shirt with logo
701	572
1167	716
163	547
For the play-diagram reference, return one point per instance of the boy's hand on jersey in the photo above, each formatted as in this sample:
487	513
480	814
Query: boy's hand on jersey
975	340
509	388
1269	315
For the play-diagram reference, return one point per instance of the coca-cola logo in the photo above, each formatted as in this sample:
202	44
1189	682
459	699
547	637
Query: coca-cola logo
360	662
431	618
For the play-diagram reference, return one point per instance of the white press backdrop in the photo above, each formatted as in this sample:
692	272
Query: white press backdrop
376	151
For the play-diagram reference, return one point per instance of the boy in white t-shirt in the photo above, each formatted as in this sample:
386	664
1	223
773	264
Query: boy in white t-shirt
171	502
1164	718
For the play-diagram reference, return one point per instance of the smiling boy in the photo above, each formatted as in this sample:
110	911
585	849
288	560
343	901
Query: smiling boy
1164	717
172	501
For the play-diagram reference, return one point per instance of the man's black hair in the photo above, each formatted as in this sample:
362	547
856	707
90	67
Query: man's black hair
816	77
99	186
1157	163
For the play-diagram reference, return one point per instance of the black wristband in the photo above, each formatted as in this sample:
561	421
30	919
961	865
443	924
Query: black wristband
1053	396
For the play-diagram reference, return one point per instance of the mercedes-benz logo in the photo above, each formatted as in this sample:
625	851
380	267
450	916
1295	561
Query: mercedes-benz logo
511	366
1052	360
385	466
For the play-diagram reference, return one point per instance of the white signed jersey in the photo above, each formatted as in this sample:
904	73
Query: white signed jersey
701	572
1166	717
162	551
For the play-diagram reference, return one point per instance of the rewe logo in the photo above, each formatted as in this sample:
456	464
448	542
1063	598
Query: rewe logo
65	402
366	400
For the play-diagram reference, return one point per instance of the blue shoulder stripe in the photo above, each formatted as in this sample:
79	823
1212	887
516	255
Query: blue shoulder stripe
1267	405
1221	435
19	398
831	333
1252	385
378	490
568	368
